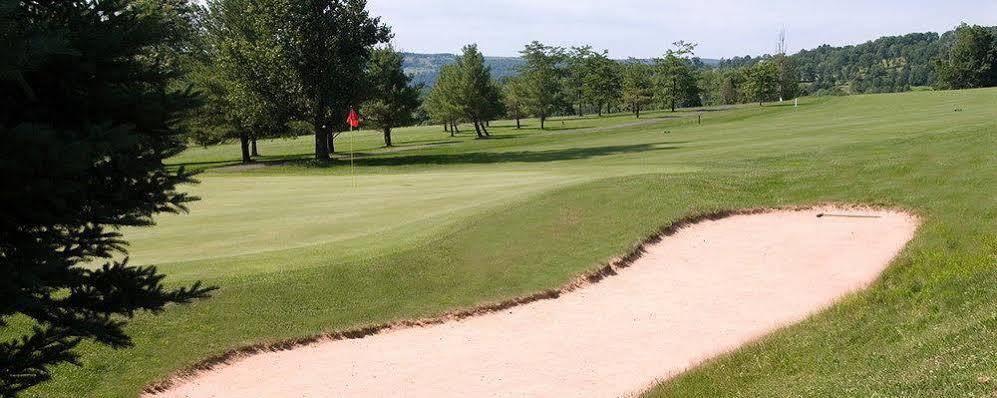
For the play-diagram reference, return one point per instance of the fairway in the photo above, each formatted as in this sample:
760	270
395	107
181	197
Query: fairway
443	223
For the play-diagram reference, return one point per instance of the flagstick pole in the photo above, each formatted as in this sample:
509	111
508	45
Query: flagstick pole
353	173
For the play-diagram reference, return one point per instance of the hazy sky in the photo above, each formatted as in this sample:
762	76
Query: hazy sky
646	28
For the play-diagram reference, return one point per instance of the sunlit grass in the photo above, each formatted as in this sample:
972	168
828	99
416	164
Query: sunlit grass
298	249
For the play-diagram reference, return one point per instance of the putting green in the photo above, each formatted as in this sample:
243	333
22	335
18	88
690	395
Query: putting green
247	215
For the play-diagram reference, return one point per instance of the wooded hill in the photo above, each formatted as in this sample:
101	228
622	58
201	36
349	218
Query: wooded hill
887	64
425	68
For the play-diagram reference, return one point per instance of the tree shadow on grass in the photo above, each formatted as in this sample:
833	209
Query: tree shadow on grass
383	159
506	157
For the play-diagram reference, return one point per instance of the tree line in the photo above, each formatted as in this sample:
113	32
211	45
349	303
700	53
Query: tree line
579	80
956	59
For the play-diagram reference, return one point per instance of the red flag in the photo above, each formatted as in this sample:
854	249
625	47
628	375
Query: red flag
353	119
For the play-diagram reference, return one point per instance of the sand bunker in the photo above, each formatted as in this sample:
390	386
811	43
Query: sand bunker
703	291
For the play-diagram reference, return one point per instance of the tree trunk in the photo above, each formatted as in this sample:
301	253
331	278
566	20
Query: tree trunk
244	145
637	109
454	127
518	126
255	152
477	128
674	87
446	127
321	140
484	128
543	118
387	136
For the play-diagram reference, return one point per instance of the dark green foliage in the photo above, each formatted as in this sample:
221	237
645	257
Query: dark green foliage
888	64
392	99
676	78
763	82
971	59
514	99
576	68
328	44
789	80
442	103
477	95
243	74
88	117
466	91
601	83
637	86
541	76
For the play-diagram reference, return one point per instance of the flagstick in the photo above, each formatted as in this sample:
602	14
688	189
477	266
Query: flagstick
353	173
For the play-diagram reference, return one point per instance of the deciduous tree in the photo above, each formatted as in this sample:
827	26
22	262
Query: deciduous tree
392	99
971	60
244	72
763	82
329	44
675	77
601	84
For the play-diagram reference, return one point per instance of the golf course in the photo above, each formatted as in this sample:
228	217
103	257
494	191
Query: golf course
438	224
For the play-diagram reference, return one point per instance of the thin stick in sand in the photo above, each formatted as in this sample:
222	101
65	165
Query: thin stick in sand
822	215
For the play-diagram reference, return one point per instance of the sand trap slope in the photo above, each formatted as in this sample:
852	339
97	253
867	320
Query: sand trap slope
703	291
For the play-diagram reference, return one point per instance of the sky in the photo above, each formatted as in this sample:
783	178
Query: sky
646	28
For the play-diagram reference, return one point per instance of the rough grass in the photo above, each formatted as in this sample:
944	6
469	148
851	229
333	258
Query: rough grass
434	228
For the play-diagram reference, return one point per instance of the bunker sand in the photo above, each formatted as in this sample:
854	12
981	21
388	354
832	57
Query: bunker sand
706	290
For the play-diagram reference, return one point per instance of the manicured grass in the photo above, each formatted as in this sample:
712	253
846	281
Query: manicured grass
299	249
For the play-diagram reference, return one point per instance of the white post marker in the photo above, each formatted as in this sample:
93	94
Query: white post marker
796	103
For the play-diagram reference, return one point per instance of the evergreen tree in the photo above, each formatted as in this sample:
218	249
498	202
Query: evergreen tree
90	114
514	99
541	74
392	99
443	101
478	95
637	87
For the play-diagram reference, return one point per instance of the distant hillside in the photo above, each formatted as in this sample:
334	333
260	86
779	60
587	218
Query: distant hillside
425	68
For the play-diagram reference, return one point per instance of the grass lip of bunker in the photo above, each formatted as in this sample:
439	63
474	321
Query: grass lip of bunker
764	269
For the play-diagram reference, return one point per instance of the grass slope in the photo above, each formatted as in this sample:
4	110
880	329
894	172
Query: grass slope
438	225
